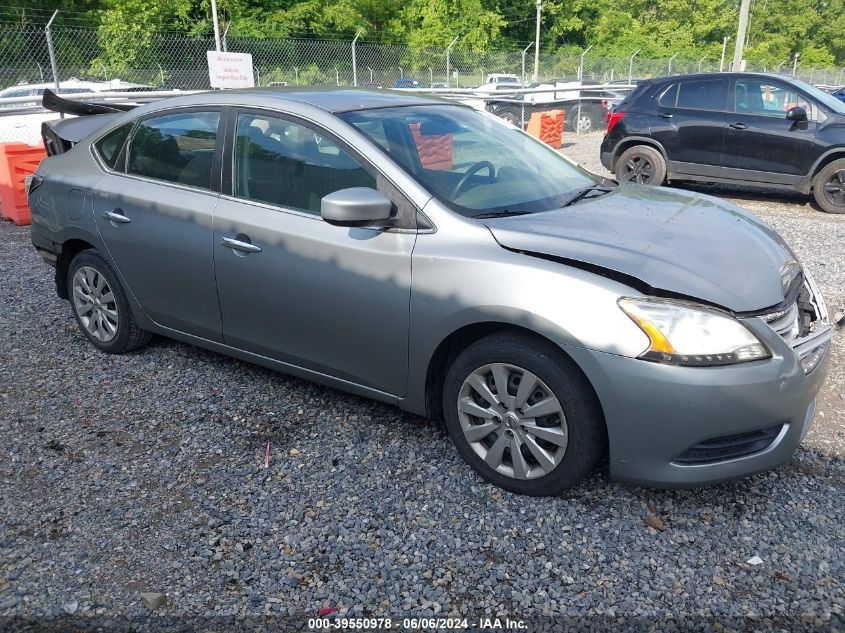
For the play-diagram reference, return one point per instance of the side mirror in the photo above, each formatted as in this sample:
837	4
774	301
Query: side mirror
797	114
356	206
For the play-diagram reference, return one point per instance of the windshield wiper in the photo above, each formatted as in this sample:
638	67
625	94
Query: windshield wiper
583	193
504	213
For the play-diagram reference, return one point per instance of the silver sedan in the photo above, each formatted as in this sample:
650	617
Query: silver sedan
418	252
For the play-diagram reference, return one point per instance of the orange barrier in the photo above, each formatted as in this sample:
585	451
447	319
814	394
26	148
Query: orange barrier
435	151
547	126
17	161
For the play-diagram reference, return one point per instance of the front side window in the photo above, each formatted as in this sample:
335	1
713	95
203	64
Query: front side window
768	98
703	94
472	161
108	147
289	165
175	148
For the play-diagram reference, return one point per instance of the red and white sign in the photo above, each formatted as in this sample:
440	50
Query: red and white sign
230	70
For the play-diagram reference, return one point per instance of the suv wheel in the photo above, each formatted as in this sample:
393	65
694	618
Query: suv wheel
522	415
829	187
641	164
100	305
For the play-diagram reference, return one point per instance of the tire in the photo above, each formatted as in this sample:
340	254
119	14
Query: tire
511	118
829	187
100	306
572	440
641	164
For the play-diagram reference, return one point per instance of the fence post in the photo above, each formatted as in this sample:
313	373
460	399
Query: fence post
631	65
448	51
669	72
50	50
581	65
355	60
524	53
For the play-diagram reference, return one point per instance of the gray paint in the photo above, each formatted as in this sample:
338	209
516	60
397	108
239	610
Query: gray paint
671	240
365	309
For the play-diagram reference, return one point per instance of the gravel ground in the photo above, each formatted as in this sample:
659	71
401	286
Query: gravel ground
145	473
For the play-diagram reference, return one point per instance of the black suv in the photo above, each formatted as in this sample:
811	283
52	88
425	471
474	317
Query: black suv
742	128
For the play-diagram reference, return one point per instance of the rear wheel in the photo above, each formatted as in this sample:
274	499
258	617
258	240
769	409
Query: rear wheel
100	305
829	187
522	415
641	164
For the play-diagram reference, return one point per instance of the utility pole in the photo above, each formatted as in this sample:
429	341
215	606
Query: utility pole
795	63
744	8
216	24
724	46
537	42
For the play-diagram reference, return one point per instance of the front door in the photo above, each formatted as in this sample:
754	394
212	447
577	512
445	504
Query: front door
760	143
690	123
294	288
155	220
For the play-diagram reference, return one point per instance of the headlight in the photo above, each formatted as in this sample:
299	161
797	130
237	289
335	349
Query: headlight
682	334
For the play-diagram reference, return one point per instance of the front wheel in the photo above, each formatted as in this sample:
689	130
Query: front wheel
641	164
522	415
829	187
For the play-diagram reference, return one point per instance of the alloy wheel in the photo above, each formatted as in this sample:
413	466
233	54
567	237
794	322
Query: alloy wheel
512	420
834	188
585	123
95	304
637	169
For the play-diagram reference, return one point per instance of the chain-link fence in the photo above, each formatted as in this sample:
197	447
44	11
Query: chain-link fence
168	61
165	60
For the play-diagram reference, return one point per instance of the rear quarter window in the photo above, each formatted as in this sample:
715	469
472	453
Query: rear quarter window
108	148
669	96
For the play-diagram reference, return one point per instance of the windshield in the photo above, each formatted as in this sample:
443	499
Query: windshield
472	161
828	100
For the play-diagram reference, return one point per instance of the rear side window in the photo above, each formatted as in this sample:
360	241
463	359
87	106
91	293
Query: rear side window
703	94
175	148
108	147
669	97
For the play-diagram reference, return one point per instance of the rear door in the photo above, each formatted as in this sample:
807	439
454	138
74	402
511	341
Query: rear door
154	212
690	123
760	143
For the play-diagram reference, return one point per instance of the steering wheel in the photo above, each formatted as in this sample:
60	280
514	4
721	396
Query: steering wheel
482	164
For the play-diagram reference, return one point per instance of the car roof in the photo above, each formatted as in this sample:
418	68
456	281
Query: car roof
692	76
334	100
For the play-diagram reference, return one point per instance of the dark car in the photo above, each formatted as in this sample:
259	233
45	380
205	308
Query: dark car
406	82
840	94
742	128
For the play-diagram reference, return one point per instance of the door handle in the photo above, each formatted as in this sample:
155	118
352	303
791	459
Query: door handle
238	245
116	216
665	115
739	126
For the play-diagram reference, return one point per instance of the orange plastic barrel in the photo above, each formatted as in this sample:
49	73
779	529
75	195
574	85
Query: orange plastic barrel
17	161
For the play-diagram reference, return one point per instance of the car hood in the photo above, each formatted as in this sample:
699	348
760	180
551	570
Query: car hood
678	242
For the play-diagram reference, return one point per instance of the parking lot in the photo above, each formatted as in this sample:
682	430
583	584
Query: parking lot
146	473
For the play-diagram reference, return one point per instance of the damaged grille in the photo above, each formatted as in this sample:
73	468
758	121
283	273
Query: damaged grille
804	325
